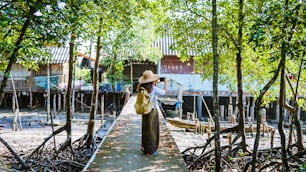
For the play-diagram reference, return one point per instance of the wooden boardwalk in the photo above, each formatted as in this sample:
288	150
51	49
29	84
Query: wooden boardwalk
120	151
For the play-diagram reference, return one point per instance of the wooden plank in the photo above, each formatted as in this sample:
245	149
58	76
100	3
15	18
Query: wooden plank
187	124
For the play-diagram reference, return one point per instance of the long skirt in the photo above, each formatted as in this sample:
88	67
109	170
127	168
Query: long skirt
150	132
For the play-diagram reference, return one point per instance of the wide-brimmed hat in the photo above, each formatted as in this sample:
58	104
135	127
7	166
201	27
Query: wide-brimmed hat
147	76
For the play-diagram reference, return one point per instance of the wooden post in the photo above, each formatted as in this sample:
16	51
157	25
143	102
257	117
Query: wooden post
181	113
114	114
194	102
199	106
250	122
196	125
30	82
48	92
64	104
102	108
59	105
203	129
209	130
131	74
222	111
272	138
252	111
78	103
31	97
82	100
229	137
263	121
188	115
210	116
14	110
230	110
54	104
299	112
277	111
13	103
248	104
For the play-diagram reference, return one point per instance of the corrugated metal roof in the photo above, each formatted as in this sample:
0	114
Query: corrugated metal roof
164	45
59	55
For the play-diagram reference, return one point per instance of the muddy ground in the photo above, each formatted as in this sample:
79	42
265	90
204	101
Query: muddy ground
34	126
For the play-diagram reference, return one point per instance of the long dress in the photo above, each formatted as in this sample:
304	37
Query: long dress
150	125
150	132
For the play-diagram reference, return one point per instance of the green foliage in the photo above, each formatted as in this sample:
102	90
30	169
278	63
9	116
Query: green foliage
267	30
82	74
33	24
127	28
143	34
241	153
117	66
127	34
132	36
190	23
302	103
271	36
302	167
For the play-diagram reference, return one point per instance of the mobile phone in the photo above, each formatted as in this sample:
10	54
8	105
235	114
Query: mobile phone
162	79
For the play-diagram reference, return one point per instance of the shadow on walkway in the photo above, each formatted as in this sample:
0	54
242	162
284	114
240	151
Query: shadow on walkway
120	151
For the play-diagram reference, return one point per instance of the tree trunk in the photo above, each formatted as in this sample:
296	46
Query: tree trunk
215	85
284	50
258	103
239	78
13	57
295	94
90	126
281	68
69	86
295	105
282	96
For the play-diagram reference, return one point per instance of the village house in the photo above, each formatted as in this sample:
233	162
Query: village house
197	93
31	85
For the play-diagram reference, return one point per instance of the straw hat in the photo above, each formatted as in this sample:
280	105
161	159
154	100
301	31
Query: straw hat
148	76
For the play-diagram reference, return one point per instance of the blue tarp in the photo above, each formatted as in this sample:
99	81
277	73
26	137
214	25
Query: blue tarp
42	81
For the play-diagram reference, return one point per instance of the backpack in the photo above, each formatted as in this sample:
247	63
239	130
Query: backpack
143	103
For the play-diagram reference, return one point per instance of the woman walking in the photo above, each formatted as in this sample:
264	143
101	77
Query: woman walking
150	121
